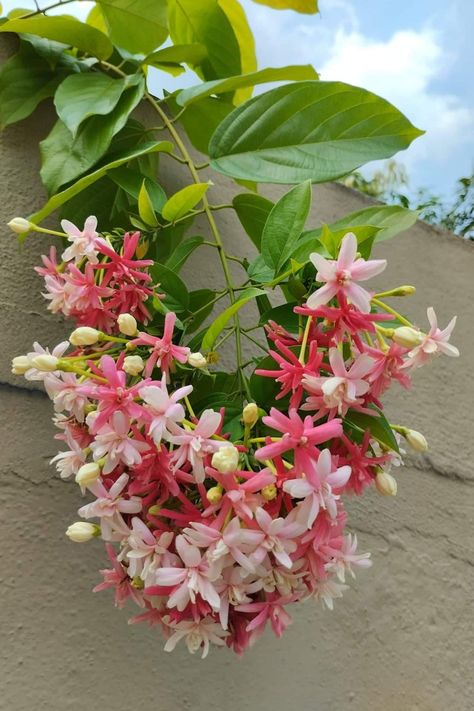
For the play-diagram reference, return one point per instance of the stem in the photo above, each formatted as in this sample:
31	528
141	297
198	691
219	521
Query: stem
40	11
389	310
305	340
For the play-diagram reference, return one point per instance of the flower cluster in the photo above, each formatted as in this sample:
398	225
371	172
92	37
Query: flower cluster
214	539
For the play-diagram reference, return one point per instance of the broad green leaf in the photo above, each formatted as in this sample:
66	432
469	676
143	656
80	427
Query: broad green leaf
308	130
206	23
252	211
139	26
202	121
260	272
201	304
64	196
221	86
82	95
25	80
176	293
131	182
182	252
65	157
145	207
96	19
172	57
65	29
390	219
245	39
377	425
183	201
284	225
309	7
222	320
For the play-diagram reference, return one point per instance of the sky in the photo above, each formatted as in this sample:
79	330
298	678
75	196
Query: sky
418	54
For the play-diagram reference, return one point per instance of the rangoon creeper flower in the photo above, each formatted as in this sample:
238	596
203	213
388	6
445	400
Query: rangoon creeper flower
197	360
345	557
436	341
35	373
83	242
385	483
133	365
226	459
163	409
81	531
127	324
196	444
145	551
341	276
416	440
84	336
196	634
113	442
87	474
20	225
233	541
109	506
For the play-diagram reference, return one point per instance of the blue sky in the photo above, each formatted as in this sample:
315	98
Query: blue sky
416	53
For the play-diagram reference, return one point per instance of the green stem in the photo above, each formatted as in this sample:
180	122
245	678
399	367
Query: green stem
305	339
389	310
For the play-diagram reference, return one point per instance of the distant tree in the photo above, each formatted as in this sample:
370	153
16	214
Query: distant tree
391	185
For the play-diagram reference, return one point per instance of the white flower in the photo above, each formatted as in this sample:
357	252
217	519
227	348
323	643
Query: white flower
196	634
20	364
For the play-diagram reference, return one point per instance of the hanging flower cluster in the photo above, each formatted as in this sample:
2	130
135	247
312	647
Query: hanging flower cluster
214	535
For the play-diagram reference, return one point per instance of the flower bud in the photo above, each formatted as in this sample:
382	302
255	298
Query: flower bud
407	336
20	225
127	324
197	360
214	495
269	492
226	459
82	531
416	440
45	362
250	414
20	364
386	484
133	365
154	510
84	336
87	474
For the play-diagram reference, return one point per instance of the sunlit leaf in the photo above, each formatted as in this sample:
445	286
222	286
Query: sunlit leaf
284	225
309	7
136	25
183	201
222	320
145	207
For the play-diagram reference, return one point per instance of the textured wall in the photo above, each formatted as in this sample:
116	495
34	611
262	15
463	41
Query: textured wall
401	640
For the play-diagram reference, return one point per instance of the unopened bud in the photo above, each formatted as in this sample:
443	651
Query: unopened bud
226	459
269	492
20	225
250	414
407	336
137	583
127	324
386	484
20	364
197	360
82	531
45	362
416	440
133	365
84	336
214	495
405	290
154	510
87	474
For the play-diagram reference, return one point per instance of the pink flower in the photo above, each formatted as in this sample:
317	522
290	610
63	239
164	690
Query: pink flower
197	634
271	610
163	408
277	537
68	463
83	242
112	441
118	578
162	350
64	391
145	550
435	342
340	276
291	370
316	487
298	435
58	351
233	541
109	506
342	390
194	578
345	557
196	444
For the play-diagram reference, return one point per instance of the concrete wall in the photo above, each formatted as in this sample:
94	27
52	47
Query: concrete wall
402	638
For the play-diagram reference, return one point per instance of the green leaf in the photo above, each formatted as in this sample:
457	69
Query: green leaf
390	219
139	26
65	157
221	86
283	315
284	225
82	95
65	29
174	288
131	182
202	121
309	130
204	22
201	304
182	252
177	54
145	207
25	80
309	7
245	39
183	201
377	425
331	238
57	200
252	211
221	321
260	272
